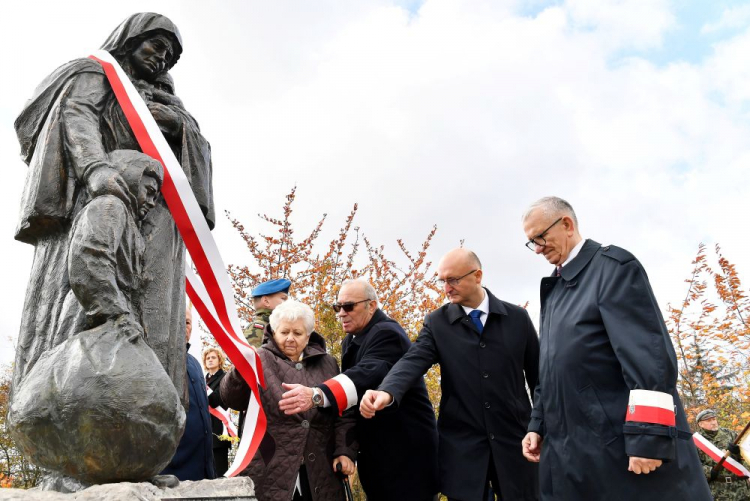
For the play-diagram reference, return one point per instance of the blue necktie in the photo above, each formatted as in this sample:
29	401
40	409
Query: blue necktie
475	314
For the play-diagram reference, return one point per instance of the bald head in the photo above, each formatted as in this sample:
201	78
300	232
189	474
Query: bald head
460	273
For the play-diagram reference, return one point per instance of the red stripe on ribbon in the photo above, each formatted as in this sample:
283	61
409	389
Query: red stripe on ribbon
222	330
338	394
655	415
714	453
172	198
221	417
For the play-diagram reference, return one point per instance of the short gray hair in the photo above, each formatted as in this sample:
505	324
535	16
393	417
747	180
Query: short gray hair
290	311
552	207
367	287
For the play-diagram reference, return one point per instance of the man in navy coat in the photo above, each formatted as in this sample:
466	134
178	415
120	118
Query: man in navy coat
607	420
488	351
194	458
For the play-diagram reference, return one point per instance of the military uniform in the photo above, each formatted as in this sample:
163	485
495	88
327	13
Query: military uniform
726	486
254	333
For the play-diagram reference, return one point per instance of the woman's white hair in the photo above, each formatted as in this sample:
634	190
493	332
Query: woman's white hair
290	311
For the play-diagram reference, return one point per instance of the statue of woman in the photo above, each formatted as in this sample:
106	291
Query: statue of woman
66	131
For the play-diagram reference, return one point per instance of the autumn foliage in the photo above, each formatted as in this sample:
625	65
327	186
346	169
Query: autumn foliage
405	285
712	340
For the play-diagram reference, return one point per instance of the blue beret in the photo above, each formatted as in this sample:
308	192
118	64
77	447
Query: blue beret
272	287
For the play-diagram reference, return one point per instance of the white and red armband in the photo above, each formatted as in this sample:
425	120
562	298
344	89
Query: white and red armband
654	407
341	390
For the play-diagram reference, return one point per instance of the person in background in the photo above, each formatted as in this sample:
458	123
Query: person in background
213	361
266	296
194	459
724	485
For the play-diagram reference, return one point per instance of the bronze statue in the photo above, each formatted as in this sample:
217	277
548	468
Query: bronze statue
67	131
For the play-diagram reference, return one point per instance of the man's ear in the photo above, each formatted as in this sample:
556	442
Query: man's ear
568	224
478	276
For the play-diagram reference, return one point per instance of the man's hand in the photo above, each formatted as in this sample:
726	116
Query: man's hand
531	446
347	465
373	401
298	398
643	465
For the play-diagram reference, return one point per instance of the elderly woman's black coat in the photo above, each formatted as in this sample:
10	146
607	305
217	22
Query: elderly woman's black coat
313	438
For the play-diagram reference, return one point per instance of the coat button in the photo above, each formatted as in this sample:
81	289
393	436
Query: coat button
298	366
311	457
317	490
486	405
485	374
482	344
305	423
492	436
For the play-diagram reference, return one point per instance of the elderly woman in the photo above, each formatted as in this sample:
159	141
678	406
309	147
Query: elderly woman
213	361
299	453
66	131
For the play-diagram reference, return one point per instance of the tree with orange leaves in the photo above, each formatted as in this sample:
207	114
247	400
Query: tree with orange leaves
712	340
406	288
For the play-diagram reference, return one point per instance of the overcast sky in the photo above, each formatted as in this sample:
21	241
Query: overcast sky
454	113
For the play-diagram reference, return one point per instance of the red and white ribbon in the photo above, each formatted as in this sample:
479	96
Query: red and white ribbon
212	293
716	454
222	415
645	406
343	391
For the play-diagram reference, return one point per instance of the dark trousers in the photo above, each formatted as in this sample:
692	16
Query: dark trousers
491	485
221	460
303	482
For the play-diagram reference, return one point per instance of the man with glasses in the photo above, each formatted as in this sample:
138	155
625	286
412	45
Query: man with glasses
487	350
397	458
607	421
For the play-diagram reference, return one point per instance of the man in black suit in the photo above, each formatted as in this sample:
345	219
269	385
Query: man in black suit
487	350
397	458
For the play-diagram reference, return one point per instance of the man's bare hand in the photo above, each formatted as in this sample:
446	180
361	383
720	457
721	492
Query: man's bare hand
643	465
373	401
298	398
531	446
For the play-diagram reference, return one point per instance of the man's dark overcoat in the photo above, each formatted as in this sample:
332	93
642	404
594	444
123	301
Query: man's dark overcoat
602	335
485	406
397	458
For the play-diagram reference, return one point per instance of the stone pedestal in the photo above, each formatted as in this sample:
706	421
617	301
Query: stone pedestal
221	489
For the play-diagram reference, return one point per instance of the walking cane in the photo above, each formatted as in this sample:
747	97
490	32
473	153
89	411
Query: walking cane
345	480
718	464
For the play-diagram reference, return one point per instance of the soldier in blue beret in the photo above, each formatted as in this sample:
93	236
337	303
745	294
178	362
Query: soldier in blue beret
266	297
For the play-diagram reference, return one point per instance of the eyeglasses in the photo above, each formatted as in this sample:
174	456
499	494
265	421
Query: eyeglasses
539	239
453	281
347	307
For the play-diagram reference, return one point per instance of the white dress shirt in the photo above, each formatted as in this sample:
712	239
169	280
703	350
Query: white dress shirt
484	307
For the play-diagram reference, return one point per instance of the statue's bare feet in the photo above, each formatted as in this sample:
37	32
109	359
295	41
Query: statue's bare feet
165	481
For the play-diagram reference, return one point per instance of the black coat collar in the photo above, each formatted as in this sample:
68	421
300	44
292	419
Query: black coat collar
587	253
456	311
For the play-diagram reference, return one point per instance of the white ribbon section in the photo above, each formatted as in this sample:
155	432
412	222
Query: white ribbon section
650	398
716	454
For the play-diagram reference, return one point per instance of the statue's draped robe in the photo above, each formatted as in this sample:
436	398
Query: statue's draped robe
65	132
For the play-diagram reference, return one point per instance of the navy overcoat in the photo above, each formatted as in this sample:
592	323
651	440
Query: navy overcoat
485	407
602	335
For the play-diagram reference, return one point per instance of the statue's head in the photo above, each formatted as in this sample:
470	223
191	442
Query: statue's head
146	43
143	176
